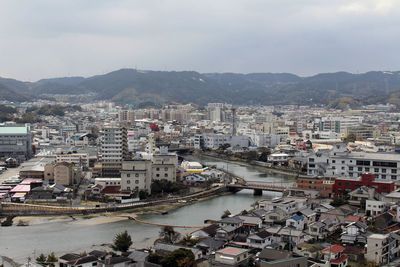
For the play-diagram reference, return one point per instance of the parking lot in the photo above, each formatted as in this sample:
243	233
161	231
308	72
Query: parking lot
9	173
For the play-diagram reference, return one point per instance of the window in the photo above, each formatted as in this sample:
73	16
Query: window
333	161
376	169
128	175
136	174
359	169
166	169
394	171
157	175
383	176
166	175
342	161
311	160
384	170
394	177
128	181
350	168
367	169
137	182
129	188
157	169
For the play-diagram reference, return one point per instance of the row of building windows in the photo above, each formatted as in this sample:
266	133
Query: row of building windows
129	181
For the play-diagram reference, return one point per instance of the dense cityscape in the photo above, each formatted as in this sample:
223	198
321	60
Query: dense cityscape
334	203
227	133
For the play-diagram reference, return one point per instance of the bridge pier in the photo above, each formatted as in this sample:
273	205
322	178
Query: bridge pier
257	192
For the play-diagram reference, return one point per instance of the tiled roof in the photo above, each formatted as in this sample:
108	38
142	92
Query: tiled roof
334	249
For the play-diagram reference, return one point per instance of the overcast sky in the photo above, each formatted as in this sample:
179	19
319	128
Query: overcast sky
52	38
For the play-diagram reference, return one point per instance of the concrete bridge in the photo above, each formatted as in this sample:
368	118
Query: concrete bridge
259	187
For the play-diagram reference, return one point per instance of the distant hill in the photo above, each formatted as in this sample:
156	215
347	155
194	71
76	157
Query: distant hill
10	95
130	86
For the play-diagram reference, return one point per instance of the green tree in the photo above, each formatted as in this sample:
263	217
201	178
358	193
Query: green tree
168	234
51	259
180	257
154	258
225	214
41	259
122	242
142	194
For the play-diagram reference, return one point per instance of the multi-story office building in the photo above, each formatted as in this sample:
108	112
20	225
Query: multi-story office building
339	162
114	149
16	141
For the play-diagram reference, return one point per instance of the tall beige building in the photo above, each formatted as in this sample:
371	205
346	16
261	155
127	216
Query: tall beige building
114	149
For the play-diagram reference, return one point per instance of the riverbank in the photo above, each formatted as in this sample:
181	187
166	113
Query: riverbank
247	164
110	217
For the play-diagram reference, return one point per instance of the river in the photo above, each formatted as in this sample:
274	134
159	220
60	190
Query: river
80	235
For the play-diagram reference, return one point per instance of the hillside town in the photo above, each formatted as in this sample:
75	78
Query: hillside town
340	208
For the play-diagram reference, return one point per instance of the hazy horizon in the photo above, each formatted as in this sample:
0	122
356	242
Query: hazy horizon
46	39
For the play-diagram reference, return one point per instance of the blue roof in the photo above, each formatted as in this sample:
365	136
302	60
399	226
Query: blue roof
297	217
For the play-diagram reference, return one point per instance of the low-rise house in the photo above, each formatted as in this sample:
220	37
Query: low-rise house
296	221
260	213
83	261
354	233
334	256
275	216
272	257
308	250
291	236
251	223
385	221
259	240
65	259
231	221
226	233
231	256
208	231
209	245
310	216
359	196
375	207
116	262
288	204
323	228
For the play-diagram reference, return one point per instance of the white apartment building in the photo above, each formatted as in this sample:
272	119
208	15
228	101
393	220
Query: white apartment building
214	141
264	140
339	162
114	149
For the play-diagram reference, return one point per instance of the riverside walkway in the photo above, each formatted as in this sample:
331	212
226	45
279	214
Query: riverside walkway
157	224
22	209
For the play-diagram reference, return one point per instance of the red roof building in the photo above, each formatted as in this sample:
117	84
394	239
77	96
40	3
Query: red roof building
367	179
334	254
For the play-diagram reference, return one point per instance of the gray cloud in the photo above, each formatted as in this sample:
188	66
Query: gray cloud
47	38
